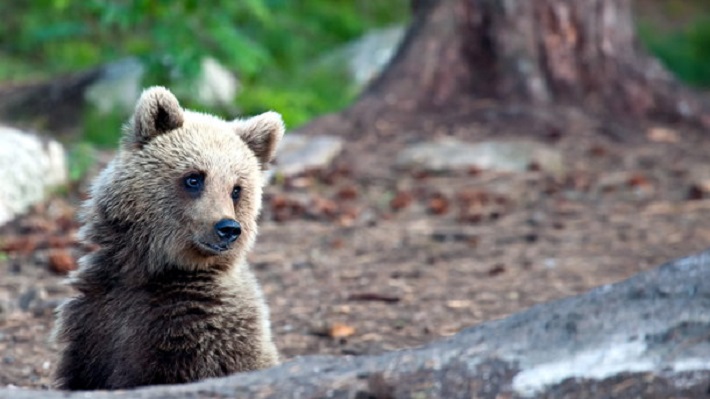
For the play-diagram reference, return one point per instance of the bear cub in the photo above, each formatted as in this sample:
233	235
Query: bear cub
168	296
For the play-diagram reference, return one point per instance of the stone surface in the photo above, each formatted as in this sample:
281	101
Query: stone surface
364	58
215	85
647	337
298	153
31	166
118	86
504	156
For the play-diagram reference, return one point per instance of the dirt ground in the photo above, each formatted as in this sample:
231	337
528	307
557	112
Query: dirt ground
362	258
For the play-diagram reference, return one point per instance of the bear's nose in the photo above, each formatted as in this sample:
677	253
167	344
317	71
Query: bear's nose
228	230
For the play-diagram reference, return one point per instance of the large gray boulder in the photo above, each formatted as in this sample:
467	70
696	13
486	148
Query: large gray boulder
31	167
647	337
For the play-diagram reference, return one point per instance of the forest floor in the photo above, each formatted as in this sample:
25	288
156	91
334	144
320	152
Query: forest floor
362	257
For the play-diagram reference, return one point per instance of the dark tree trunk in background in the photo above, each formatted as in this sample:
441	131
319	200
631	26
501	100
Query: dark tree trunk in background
568	52
55	106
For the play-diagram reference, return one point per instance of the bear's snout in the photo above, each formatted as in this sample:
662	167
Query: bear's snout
228	230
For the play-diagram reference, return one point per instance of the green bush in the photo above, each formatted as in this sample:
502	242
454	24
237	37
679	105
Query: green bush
686	52
271	44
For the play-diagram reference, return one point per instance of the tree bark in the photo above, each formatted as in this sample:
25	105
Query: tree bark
569	52
56	105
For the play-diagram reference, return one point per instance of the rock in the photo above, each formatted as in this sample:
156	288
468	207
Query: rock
118	87
216	85
27	298
298	153
120	84
31	167
645	337
370	54
365	57
502	156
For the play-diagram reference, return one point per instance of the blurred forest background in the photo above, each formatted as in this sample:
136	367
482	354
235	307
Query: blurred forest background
370	249
278	48
287	55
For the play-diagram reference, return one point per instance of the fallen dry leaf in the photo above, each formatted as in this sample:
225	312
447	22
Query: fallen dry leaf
347	193
458	303
61	261
662	135
401	200
699	190
338	330
637	180
324	206
496	270
61	241
438	204
19	243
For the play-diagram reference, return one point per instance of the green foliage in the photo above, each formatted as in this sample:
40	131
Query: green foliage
271	44
685	52
81	158
103	129
317	91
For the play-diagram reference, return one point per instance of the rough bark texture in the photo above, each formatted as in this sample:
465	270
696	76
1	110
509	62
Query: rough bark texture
54	105
645	337
569	52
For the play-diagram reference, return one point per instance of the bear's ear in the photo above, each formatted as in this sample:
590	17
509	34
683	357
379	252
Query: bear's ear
157	112
262	134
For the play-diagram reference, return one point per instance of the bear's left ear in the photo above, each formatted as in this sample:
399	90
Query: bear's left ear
262	134
157	112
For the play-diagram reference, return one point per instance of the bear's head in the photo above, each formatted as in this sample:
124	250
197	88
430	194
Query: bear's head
184	190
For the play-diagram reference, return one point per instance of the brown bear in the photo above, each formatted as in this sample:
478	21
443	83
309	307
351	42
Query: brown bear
168	296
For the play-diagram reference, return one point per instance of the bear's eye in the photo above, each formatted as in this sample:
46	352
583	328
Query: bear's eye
236	193
194	182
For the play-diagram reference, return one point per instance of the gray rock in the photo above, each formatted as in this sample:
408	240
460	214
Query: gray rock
32	298
370	54
366	57
26	298
645	337
31	166
298	153
216	85
503	156
118	86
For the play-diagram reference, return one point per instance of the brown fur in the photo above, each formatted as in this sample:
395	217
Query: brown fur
153	307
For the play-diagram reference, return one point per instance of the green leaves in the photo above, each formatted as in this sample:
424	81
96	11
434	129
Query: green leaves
685	52
273	46
234	47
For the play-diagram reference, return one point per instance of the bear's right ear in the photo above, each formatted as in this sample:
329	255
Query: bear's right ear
262	134
157	112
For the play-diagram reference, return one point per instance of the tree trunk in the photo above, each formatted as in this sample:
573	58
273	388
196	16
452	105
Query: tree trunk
55	105
569	52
